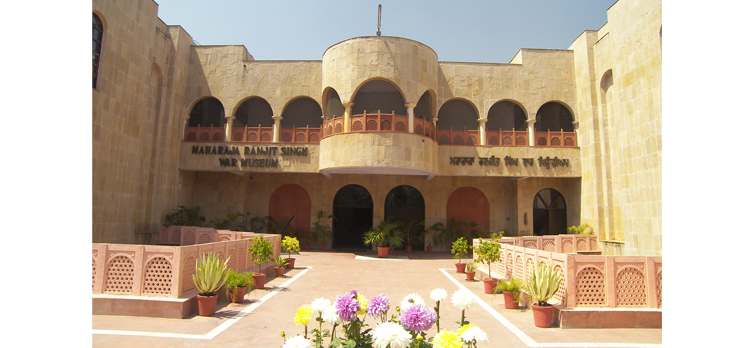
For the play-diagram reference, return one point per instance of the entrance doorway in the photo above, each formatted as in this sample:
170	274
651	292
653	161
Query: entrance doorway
405	204
352	209
549	213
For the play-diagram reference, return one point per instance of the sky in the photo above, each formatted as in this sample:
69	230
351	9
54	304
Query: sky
463	31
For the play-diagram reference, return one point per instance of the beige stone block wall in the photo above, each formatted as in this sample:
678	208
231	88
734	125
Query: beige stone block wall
410	65
286	163
134	148
446	168
378	151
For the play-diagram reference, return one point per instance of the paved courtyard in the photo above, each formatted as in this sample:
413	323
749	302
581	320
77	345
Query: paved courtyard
258	321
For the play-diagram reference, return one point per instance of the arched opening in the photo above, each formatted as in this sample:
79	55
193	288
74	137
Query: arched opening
254	112
98	33
378	95
549	213
554	117
207	112
352	209
424	108
469	204
506	115
291	200
405	205
457	115
333	105
302	112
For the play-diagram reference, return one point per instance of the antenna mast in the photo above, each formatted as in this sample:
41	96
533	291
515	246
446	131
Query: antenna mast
380	8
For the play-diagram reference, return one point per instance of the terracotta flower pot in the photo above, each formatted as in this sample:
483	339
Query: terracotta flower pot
408	248
323	246
206	305
470	275
490	284
390	249
510	301
237	294
279	271
306	246
543	315
429	249
259	281
460	267
383	251
290	263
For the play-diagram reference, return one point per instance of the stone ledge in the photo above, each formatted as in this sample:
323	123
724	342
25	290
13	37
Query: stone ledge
609	318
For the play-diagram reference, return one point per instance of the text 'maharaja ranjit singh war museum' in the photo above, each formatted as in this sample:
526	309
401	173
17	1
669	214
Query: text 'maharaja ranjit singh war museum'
380	127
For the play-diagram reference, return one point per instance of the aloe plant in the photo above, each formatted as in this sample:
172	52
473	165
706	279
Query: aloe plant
210	274
543	283
583	229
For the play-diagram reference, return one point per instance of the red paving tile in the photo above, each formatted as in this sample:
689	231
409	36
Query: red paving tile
335	273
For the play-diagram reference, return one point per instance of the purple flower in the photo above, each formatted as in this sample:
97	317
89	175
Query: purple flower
417	318
347	306
378	305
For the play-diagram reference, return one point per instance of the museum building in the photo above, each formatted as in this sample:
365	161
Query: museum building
380	128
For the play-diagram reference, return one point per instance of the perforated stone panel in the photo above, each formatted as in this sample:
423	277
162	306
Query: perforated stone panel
205	238
188	239
187	284
232	259
519	268
357	126
443	140
590	287
204	136
314	138
371	125
300	137
658	287
530	244
630	288
568	142
581	245
555	141
339	128
560	295
120	275
528	270
330	130
286	137
266	137
251	137
493	140
567	246
418	129
509	266
400	127
94	271
163	239
157	276
549	245
593	244
175	237
507	141
521	141
385	125
225	238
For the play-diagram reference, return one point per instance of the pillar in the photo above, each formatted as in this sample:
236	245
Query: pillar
410	115
277	128
347	116
531	131
229	128
483	134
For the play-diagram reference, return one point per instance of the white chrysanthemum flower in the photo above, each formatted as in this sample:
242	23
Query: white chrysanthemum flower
410	300
330	316
297	342
320	305
438	295
391	335
474	333
462	299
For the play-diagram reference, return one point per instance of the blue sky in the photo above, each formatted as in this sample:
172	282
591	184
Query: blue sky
466	31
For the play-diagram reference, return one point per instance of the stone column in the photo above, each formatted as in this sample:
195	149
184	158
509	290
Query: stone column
531	131
277	128
410	115
576	126
347	117
435	124
483	134
229	128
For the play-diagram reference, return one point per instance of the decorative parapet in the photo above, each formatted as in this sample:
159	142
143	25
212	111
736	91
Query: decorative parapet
166	271
587	280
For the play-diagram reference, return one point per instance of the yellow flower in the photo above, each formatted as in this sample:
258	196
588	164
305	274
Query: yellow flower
465	328
303	315
362	304
445	339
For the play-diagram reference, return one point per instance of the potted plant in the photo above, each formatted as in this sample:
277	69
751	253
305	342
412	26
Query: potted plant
237	284
511	290
290	245
541	287
459	249
471	270
260	251
210	275
413	234
437	228
381	233
488	252
280	265
583	229
322	231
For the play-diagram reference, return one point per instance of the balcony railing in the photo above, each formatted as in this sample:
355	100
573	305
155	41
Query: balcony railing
210	133
379	122
458	137
248	134
556	139
507	138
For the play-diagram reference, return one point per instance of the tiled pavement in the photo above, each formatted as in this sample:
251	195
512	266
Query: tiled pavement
258	321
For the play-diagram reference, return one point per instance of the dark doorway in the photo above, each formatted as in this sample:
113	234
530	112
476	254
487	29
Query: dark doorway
352	209
549	213
405	205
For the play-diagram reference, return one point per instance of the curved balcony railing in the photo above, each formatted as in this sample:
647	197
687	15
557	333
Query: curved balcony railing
507	138
556	139
379	122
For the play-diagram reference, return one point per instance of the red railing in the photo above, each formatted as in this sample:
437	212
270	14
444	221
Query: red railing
199	134
379	122
248	134
458	137
301	135
507	138
556	139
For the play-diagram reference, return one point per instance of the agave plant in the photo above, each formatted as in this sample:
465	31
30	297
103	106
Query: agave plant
210	274
543	283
